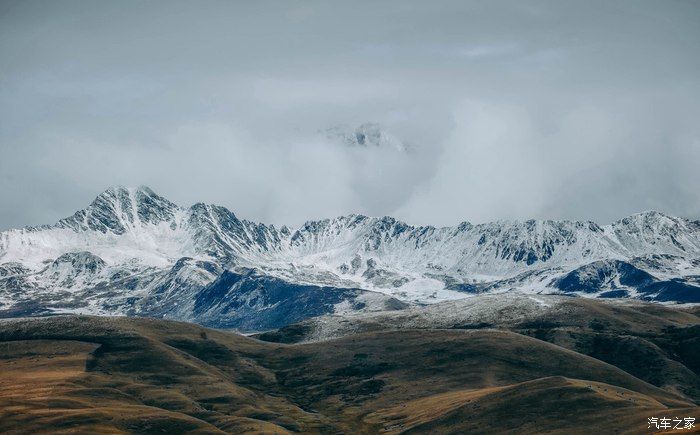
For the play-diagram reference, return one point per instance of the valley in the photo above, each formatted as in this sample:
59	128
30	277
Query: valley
615	367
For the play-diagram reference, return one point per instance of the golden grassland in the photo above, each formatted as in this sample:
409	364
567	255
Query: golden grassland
80	374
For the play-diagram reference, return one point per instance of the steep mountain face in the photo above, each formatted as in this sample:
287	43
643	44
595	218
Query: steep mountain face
132	251
74	267
118	209
253	301
621	279
604	274
656	233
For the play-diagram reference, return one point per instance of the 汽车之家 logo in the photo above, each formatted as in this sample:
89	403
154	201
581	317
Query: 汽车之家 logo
671	423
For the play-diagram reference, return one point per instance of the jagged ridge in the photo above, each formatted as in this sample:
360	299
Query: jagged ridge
132	249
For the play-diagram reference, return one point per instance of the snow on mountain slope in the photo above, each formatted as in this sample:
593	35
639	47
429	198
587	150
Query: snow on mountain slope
656	233
132	251
616	279
119	225
366	135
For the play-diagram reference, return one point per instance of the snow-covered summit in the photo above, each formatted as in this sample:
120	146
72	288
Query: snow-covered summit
366	135
119	209
130	242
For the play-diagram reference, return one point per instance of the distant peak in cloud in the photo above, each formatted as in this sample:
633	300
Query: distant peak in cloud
366	135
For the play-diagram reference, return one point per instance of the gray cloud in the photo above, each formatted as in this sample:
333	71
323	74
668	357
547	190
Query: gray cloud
515	109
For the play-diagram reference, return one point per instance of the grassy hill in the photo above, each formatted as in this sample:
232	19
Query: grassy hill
116	375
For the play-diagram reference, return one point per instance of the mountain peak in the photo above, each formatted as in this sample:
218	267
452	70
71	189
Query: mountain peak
119	189
646	217
125	229
119	207
366	135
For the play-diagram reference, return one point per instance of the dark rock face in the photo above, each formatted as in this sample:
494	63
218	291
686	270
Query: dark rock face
382	278
220	234
673	290
152	208
614	294
465	287
105	213
613	277
12	269
529	242
172	293
601	275
115	209
80	261
248	300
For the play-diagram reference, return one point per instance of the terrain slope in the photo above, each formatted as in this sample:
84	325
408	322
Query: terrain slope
131	375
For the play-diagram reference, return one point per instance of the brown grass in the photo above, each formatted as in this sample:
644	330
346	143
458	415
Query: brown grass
119	375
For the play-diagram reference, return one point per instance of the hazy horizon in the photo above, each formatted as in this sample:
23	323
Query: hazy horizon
507	110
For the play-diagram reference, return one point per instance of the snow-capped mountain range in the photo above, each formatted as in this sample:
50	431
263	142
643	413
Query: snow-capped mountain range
132	251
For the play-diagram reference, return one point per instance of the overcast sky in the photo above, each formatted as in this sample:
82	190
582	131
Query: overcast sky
510	110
